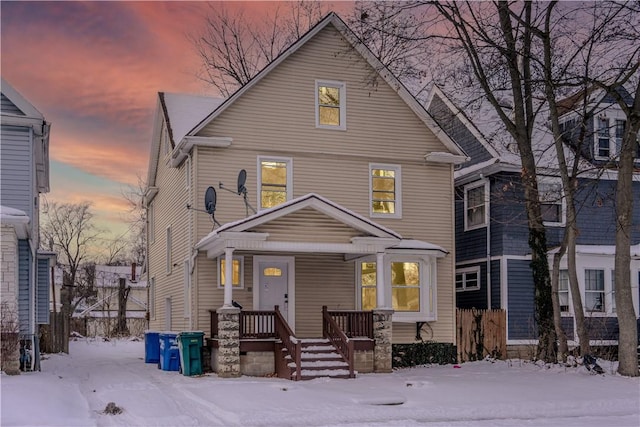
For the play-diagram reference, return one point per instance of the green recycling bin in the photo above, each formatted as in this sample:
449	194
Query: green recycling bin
190	345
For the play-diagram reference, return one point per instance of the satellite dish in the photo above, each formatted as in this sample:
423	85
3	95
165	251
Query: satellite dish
242	179
210	200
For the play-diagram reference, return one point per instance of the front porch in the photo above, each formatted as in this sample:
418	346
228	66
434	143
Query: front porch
261	343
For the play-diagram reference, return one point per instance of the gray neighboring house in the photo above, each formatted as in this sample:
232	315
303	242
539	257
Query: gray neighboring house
24	174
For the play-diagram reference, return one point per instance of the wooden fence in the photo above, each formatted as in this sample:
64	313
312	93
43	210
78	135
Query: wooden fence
481	333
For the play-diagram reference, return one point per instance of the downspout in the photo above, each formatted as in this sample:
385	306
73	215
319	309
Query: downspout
190	243
488	205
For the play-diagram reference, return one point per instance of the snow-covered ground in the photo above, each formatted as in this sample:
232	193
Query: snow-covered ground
74	389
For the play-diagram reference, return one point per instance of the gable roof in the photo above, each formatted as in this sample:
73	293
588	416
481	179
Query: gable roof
19	101
334	20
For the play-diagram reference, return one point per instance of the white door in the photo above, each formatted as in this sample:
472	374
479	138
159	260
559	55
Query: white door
273	286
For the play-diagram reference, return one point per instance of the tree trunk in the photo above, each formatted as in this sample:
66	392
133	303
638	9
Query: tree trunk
628	336
123	295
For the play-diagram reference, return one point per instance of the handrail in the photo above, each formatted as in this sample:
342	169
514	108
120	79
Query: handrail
332	332
354	323
289	341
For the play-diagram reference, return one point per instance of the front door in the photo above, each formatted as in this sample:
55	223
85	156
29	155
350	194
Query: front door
273	285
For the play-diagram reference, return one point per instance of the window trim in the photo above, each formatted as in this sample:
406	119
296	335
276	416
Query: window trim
567	291
542	180
596	146
240	259
398	190
289	189
342	86
605	308
481	183
464	271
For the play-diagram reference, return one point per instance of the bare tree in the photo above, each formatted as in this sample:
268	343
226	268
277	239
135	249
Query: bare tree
137	219
68	229
233	48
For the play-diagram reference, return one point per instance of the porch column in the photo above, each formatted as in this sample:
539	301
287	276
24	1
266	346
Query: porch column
228	342
380	300
228	277
382	333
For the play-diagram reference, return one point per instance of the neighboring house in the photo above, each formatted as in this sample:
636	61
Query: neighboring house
24	174
99	314
352	185
492	252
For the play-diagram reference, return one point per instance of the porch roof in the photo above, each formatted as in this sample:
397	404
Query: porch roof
377	238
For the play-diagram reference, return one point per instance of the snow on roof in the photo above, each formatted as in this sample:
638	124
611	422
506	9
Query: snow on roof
608	250
7	212
418	245
186	111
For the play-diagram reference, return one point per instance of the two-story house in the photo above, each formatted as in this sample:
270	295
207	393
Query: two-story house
24	174
492	252
322	188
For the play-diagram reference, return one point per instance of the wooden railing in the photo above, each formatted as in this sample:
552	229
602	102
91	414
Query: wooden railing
284	333
257	324
354	323
332	332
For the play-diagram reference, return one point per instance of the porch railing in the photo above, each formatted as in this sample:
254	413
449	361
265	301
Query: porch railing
353	323
284	333
332	331
257	324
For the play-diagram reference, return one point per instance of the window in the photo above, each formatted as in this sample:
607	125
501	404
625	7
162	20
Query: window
274	181
237	279
385	191
405	286
563	290
551	201
476	205
468	279
169	250
613	291
152	223
603	147
330	105
594	290
368	285
410	287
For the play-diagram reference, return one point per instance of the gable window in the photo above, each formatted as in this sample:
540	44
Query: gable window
551	201
476	197
594	290
330	105
237	280
603	140
169	249
385	191
275	182
563	290
468	279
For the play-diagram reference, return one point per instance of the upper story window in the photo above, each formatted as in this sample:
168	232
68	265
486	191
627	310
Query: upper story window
468	279
275	181
476	205
603	139
331	105
385	191
552	203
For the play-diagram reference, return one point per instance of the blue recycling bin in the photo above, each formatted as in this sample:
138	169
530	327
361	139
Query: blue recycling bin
169	352
151	347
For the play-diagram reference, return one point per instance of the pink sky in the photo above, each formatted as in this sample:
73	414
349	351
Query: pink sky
94	70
